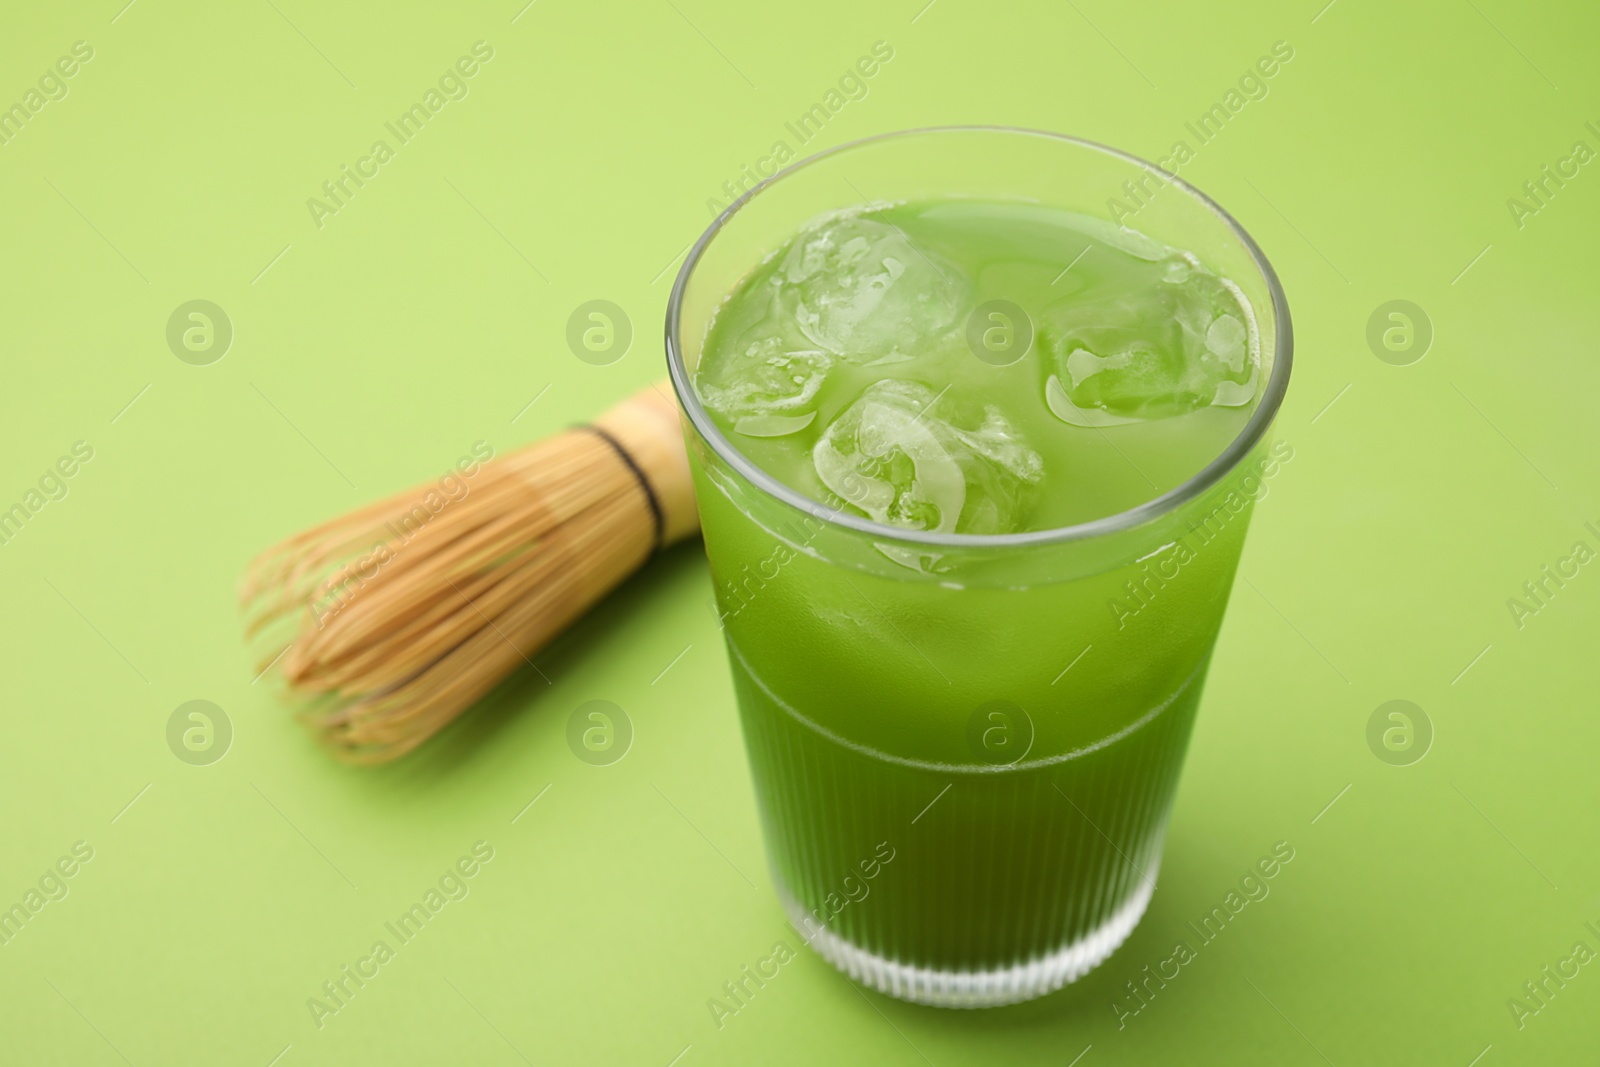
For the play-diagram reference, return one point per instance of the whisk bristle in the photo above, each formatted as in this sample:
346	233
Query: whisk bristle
394	619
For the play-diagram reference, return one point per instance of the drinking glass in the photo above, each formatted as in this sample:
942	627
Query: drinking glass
965	748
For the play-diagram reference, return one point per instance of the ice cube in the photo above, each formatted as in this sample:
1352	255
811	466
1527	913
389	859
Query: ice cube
766	379
863	291
1135	353
895	456
773	425
1226	339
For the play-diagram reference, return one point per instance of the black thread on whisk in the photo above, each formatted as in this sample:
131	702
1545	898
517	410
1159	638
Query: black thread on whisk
644	483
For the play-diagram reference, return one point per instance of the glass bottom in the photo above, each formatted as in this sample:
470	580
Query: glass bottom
977	989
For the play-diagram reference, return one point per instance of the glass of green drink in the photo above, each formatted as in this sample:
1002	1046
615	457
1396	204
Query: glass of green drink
977	419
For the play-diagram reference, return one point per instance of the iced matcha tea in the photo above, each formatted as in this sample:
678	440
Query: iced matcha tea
974	468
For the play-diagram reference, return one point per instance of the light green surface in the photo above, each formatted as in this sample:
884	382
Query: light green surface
430	310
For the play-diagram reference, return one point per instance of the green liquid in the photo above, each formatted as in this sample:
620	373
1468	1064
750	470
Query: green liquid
1009	729
1090	294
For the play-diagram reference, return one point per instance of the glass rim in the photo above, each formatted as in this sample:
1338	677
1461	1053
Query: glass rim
1208	476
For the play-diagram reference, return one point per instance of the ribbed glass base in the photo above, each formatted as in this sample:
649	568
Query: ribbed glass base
977	989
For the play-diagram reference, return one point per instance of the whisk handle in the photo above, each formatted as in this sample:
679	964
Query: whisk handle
646	430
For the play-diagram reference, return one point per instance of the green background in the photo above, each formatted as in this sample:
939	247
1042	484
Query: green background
371	352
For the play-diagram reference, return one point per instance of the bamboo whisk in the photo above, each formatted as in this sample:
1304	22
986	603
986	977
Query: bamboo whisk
401	615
